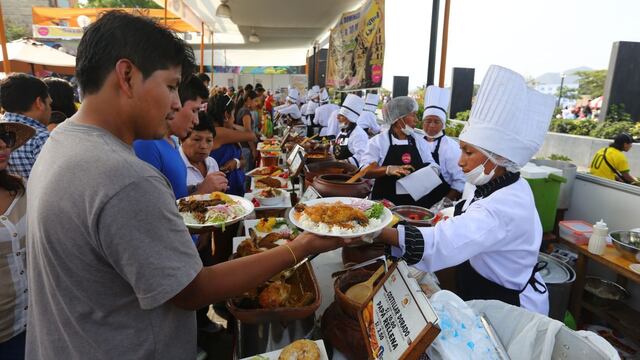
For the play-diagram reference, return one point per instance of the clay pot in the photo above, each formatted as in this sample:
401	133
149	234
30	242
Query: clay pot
343	333
327	167
342	284
358	254
329	185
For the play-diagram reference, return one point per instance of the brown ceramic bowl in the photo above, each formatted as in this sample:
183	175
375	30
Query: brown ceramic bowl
358	254
343	283
331	185
327	167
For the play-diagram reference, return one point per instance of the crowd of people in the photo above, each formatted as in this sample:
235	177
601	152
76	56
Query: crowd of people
95	258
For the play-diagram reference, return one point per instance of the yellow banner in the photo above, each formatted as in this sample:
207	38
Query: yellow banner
56	32
356	48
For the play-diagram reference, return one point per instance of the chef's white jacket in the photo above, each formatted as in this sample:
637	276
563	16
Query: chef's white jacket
357	144
323	113
333	126
303	111
449	156
500	235
369	120
378	146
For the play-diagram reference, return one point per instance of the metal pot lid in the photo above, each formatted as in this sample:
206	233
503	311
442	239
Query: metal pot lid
555	272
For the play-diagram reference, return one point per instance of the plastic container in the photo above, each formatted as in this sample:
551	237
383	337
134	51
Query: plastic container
576	231
545	185
569	172
598	239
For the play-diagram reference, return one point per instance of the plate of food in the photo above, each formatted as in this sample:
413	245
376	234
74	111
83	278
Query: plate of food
269	196
213	210
284	203
341	216
266	171
268	225
299	349
265	146
270	182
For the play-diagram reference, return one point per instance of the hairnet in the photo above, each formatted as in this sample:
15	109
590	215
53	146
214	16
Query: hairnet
499	160
398	107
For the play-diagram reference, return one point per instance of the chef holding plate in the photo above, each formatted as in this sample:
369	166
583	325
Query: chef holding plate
494	238
404	170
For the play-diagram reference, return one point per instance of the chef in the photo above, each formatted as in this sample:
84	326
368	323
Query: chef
404	170
290	107
310	111
494	238
444	150
351	142
324	111
368	120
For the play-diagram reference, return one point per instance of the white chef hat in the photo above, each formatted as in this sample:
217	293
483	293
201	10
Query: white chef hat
508	119
316	90
293	110
324	96
436	102
371	102
352	107
293	95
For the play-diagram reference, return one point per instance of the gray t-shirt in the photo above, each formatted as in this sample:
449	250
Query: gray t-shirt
107	249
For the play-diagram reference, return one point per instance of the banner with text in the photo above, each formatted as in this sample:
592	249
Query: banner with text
356	48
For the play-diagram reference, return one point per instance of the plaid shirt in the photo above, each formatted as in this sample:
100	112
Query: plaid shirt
22	159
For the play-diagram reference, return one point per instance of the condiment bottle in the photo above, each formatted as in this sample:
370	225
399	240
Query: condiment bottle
598	240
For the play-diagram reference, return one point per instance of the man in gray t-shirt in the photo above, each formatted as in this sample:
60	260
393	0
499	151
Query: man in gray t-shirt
112	270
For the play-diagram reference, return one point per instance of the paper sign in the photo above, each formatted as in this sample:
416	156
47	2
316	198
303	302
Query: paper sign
310	194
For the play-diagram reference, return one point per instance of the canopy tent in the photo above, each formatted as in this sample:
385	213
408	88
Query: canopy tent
69	17
30	56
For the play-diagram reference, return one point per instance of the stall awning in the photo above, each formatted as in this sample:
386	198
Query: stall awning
32	57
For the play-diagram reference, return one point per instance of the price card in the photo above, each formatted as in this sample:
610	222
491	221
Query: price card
310	194
398	321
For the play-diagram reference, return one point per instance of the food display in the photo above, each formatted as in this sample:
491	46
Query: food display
414	215
267	225
301	350
269	145
257	244
340	216
269	196
269	182
216	209
267	171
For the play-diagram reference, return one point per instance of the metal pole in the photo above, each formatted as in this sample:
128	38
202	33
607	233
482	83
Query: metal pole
433	40
201	47
3	42
445	42
211	57
165	12
315	62
560	94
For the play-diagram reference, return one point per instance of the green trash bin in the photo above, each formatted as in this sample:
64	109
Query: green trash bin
545	193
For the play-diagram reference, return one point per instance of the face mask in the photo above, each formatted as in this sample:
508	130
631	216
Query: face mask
407	130
436	135
477	176
343	125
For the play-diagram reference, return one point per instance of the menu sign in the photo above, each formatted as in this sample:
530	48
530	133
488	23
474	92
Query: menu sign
398	321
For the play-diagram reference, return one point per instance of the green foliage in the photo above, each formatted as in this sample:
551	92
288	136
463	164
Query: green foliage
16	31
453	129
584	127
559	157
591	83
609	130
616	113
145	4
419	114
568	93
463	115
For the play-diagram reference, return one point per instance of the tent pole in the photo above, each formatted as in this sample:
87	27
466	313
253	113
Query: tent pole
3	42
165	12
201	47
211	56
445	42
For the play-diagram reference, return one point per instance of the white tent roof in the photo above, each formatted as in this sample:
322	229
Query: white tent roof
33	52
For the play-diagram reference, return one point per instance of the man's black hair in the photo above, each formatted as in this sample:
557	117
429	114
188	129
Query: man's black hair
217	106
248	87
19	91
204	123
192	88
118	35
204	77
62	96
620	140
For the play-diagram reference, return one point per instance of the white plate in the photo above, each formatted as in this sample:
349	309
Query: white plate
246	204
254	171
635	268
251	224
286	184
284	204
384	221
273	355
261	147
239	239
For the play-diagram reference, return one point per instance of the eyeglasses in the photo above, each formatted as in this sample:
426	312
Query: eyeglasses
8	137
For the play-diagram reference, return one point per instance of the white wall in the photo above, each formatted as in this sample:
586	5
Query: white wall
269	81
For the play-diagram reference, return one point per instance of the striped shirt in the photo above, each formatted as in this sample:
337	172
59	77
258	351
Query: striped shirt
13	276
21	159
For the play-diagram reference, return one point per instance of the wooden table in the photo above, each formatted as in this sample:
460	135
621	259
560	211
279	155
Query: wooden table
620	316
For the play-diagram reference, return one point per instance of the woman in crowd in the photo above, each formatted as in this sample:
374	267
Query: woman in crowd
245	119
13	278
226	145
62	101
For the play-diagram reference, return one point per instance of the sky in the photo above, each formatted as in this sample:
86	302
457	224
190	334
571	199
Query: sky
530	37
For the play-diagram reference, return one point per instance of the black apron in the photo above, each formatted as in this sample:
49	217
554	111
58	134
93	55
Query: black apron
471	285
341	147
312	128
436	156
385	187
